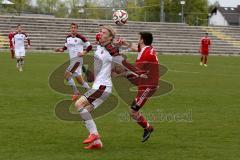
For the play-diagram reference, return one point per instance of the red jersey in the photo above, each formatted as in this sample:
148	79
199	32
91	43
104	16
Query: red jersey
147	61
10	37
205	43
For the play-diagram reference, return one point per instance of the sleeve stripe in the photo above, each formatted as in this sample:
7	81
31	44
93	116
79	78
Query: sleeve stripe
89	48
84	39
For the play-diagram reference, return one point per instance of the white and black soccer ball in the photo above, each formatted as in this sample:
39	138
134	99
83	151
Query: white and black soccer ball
120	17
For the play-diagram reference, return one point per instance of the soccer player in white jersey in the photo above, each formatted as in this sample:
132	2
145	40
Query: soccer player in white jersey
18	42
104	56
75	44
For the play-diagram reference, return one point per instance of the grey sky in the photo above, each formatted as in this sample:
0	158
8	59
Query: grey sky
226	3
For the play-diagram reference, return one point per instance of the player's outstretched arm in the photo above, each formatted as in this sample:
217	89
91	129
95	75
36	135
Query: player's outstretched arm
132	46
60	49
119	59
81	54
122	42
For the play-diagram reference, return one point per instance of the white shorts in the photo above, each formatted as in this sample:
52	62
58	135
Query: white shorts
97	96
75	67
19	53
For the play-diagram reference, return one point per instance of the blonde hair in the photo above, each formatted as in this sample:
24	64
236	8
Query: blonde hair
110	29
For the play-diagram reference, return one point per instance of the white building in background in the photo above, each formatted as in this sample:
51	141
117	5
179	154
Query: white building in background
225	16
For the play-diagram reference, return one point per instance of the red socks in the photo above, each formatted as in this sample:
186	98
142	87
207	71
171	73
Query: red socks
205	60
142	122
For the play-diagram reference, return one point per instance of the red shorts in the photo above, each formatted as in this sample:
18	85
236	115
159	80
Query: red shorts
142	96
205	53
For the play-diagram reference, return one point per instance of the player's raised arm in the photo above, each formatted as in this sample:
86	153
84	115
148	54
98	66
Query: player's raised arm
132	46
119	59
122	42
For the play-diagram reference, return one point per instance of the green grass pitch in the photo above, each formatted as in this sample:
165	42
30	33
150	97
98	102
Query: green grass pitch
29	129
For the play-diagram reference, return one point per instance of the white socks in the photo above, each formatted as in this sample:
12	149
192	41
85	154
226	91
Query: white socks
73	85
89	122
91	126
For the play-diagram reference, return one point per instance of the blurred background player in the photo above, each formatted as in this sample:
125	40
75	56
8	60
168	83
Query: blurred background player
18	42
104	56
75	44
10	37
204	49
147	61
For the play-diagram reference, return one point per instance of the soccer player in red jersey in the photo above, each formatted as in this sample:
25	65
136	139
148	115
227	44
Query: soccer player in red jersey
204	49
147	61
10	37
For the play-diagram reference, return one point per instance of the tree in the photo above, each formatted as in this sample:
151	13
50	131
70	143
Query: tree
196	9
152	10
94	12
47	6
74	9
61	10
192	9
135	12
213	8
20	5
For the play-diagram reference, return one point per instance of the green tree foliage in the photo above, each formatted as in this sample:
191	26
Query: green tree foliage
135	13
196	10
61	10
47	6
193	9
19	5
93	12
74	9
152	10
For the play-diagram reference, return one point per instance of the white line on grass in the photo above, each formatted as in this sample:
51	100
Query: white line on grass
189	72
183	71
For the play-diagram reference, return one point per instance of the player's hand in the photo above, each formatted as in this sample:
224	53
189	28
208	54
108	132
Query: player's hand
143	76
28	46
58	50
119	42
80	54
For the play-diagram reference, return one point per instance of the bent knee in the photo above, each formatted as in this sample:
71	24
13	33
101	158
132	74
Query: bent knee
81	102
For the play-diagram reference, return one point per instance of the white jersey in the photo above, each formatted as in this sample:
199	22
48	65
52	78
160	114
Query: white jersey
102	68
19	41
75	45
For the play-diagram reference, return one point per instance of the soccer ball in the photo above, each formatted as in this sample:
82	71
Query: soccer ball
120	17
